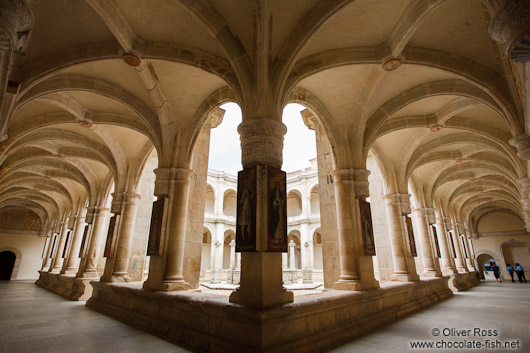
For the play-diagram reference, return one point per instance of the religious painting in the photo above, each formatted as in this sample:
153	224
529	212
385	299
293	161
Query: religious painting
277	210
367	228
52	253
111	237
155	231
65	249
410	232
83	249
436	244
463	240
246	210
453	250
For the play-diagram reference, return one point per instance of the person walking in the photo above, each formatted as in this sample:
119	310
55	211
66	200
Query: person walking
510	271
496	272
519	270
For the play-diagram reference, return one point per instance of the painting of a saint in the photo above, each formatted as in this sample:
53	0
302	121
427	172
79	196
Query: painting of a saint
277	239
367	228
246	204
410	232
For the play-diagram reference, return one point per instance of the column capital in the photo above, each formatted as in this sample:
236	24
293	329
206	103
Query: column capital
166	176
261	141
90	213
359	177
511	26
522	143
120	198
399	199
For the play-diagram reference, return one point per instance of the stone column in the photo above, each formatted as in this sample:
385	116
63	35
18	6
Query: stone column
469	259
429	268
292	256
124	204
307	272
459	260
232	254
357	271
58	260
95	249
261	282
218	249
446	263
398	205
218	262
72	263
166	270
303	239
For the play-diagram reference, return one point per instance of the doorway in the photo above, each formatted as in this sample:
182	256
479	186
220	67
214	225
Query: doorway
7	263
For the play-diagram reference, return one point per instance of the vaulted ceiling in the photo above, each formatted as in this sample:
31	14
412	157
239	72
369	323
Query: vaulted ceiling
96	84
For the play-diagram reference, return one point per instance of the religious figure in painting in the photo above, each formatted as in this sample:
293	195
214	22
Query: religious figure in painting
245	211
277	210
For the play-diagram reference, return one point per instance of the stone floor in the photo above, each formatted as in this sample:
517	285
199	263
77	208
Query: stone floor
35	320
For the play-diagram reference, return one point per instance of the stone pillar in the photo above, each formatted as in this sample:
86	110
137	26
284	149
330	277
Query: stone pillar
459	260
58	260
303	250
307	272
218	262
166	270
117	267
232	254
292	256
446	263
357	271
398	205
230	276
218	249
95	249
261	283
72	263
429	267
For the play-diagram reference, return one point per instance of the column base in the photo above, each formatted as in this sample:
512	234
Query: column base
116	279
167	286
462	270
353	285
89	275
261	281
431	273
216	276
403	277
307	275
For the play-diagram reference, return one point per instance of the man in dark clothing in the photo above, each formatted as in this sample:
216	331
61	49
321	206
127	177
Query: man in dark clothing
496	272
510	271
519	270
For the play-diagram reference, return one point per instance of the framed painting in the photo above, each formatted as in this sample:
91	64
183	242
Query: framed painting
246	210
436	243
412	242
155	230
111	236
277	210
367	228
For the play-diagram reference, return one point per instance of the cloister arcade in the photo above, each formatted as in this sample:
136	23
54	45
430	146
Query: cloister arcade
420	112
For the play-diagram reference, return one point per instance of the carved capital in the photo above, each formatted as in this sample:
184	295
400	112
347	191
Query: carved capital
400	200
90	213
16	21
522	143
261	142
166	176
511	26
120	198
357	177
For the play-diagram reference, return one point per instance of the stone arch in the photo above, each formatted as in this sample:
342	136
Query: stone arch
481	256
509	254
294	203
230	202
